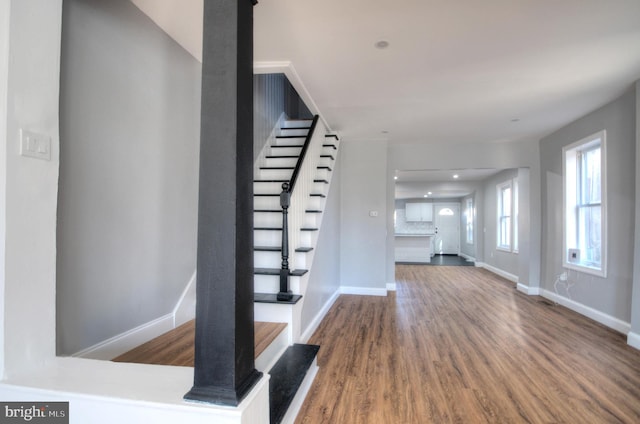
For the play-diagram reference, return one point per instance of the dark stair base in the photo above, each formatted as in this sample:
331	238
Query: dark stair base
286	377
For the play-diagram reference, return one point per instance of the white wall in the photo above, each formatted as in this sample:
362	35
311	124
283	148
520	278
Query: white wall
634	335
612	295
31	184
364	238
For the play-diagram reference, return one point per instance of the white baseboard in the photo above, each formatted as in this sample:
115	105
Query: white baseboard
532	291
604	319
633	340
117	345
467	257
498	271
185	309
313	326
391	287
363	291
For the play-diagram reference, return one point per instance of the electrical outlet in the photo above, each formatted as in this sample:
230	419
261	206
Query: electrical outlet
563	276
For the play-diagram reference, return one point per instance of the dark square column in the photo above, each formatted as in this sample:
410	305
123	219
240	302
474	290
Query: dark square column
224	347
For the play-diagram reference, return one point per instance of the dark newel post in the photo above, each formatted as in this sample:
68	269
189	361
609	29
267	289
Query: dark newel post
285	201
224	369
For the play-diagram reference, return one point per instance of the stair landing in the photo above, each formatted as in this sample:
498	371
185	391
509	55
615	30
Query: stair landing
176	347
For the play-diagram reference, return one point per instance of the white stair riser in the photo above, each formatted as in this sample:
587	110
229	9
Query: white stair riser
328	150
267	188
267	238
284	151
294	131
271	284
294	142
311	220
266	202
261	259
275	174
267	219
291	162
308	238
316	203
297	123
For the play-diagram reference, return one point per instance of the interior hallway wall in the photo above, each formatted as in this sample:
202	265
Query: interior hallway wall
127	214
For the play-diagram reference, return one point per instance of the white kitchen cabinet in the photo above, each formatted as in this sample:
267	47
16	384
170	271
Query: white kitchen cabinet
420	212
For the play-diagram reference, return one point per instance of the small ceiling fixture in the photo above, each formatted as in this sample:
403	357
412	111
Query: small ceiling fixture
429	193
382	44
426	195
395	178
456	176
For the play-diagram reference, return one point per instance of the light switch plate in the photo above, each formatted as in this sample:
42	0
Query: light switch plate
35	145
373	214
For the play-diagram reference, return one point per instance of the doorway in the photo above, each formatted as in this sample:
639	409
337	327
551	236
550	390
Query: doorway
446	228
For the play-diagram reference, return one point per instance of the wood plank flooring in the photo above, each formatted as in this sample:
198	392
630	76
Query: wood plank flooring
460	345
176	347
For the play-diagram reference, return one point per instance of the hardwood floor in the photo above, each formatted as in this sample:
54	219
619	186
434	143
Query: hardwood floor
176	347
458	344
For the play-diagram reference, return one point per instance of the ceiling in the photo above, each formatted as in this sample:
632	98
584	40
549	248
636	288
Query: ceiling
453	72
439	184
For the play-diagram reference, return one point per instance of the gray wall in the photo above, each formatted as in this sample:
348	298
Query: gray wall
611	295
130	120
363	238
635	305
324	277
506	261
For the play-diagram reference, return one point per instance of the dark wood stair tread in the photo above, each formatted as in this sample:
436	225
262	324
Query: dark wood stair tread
321	181
287	375
273	298
295	128
270	181
325	167
291	136
308	229
276	271
268	228
268	210
279	249
278	146
324	156
313	211
280	167
282	156
330	145
316	195
331	136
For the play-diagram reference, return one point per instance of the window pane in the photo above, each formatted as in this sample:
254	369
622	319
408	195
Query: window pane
590	181
506	202
589	234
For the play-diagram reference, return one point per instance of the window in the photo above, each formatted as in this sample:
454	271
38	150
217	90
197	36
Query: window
515	214
469	220
585	243
504	216
507	237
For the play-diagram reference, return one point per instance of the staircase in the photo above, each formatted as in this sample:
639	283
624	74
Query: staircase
276	166
281	275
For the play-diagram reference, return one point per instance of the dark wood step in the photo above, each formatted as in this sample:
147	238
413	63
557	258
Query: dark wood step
317	195
322	156
278	146
313	211
267	194
273	298
270	181
308	229
283	156
287	375
276	271
268	210
291	136
279	249
330	145
295	128
281	167
331	136
323	167
321	181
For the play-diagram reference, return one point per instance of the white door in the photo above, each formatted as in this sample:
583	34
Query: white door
447	228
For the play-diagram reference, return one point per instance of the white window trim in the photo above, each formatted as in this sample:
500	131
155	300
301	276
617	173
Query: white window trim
471	211
515	211
499	188
584	144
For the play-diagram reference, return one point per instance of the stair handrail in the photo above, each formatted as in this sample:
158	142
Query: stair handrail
285	201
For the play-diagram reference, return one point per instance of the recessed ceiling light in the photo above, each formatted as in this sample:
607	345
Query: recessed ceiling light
456	176
426	195
395	178
429	193
382	44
